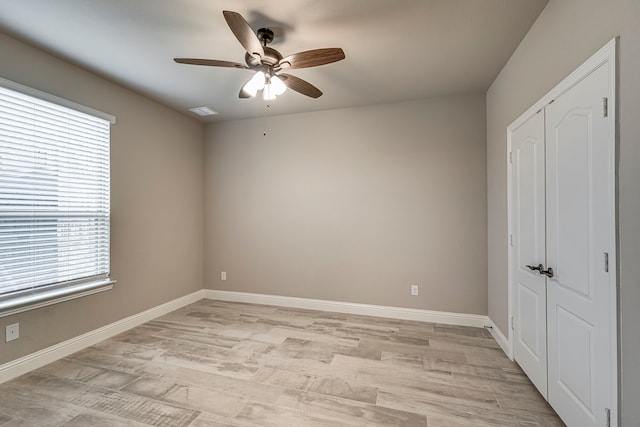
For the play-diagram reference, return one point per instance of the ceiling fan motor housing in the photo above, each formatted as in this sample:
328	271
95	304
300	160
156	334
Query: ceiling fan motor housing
271	57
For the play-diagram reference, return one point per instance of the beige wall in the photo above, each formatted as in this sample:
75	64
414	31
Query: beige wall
566	34
352	205
157	207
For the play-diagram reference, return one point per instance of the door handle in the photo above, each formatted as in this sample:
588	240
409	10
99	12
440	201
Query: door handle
548	272
539	267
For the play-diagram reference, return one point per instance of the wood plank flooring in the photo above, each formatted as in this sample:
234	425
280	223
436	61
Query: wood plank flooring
217	363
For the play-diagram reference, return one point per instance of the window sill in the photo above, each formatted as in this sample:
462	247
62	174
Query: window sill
44	299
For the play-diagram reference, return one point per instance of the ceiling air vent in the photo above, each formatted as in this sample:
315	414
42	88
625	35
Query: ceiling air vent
203	111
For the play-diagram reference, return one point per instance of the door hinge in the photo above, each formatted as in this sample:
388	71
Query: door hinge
511	239
605	107
510	156
607	411
606	262
512	324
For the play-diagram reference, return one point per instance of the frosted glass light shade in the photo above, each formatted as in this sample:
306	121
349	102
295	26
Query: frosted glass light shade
277	86
255	84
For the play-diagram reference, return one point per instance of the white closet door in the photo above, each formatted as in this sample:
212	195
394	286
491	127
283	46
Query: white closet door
528	222
578	237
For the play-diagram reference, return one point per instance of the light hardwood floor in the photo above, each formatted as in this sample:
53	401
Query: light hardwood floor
217	363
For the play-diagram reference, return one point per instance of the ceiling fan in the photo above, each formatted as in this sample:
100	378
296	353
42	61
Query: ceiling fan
268	63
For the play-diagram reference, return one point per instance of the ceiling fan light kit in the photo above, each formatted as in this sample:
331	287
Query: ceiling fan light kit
268	63
270	85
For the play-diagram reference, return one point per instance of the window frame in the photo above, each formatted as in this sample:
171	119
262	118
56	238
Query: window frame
45	295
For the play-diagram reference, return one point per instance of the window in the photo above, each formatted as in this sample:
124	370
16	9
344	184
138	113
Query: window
54	199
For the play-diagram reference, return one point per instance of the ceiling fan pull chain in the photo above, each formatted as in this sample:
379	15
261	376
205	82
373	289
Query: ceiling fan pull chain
264	126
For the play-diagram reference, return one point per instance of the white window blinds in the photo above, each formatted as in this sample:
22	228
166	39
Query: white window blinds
54	196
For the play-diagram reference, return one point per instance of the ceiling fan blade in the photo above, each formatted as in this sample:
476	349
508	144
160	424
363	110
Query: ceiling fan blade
244	33
312	58
209	62
301	86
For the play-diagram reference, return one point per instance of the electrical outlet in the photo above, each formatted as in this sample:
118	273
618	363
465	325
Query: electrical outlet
414	290
12	332
223	275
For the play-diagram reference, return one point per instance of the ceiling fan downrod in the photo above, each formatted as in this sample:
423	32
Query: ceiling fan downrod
265	35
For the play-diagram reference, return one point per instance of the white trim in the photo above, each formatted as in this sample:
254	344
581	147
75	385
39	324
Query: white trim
497	334
460	319
9	84
50	354
607	54
510	254
613	256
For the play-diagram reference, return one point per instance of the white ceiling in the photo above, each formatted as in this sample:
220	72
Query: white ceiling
395	49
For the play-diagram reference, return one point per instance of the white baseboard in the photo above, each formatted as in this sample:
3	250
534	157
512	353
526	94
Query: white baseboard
32	361
500	338
460	319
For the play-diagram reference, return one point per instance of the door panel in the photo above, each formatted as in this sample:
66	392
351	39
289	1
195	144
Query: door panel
528	226
569	166
578	223
530	306
575	364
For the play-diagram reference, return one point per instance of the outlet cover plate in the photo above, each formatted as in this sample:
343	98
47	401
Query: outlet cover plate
414	290
12	332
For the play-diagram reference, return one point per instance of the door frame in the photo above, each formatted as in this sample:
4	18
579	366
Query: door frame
607	54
